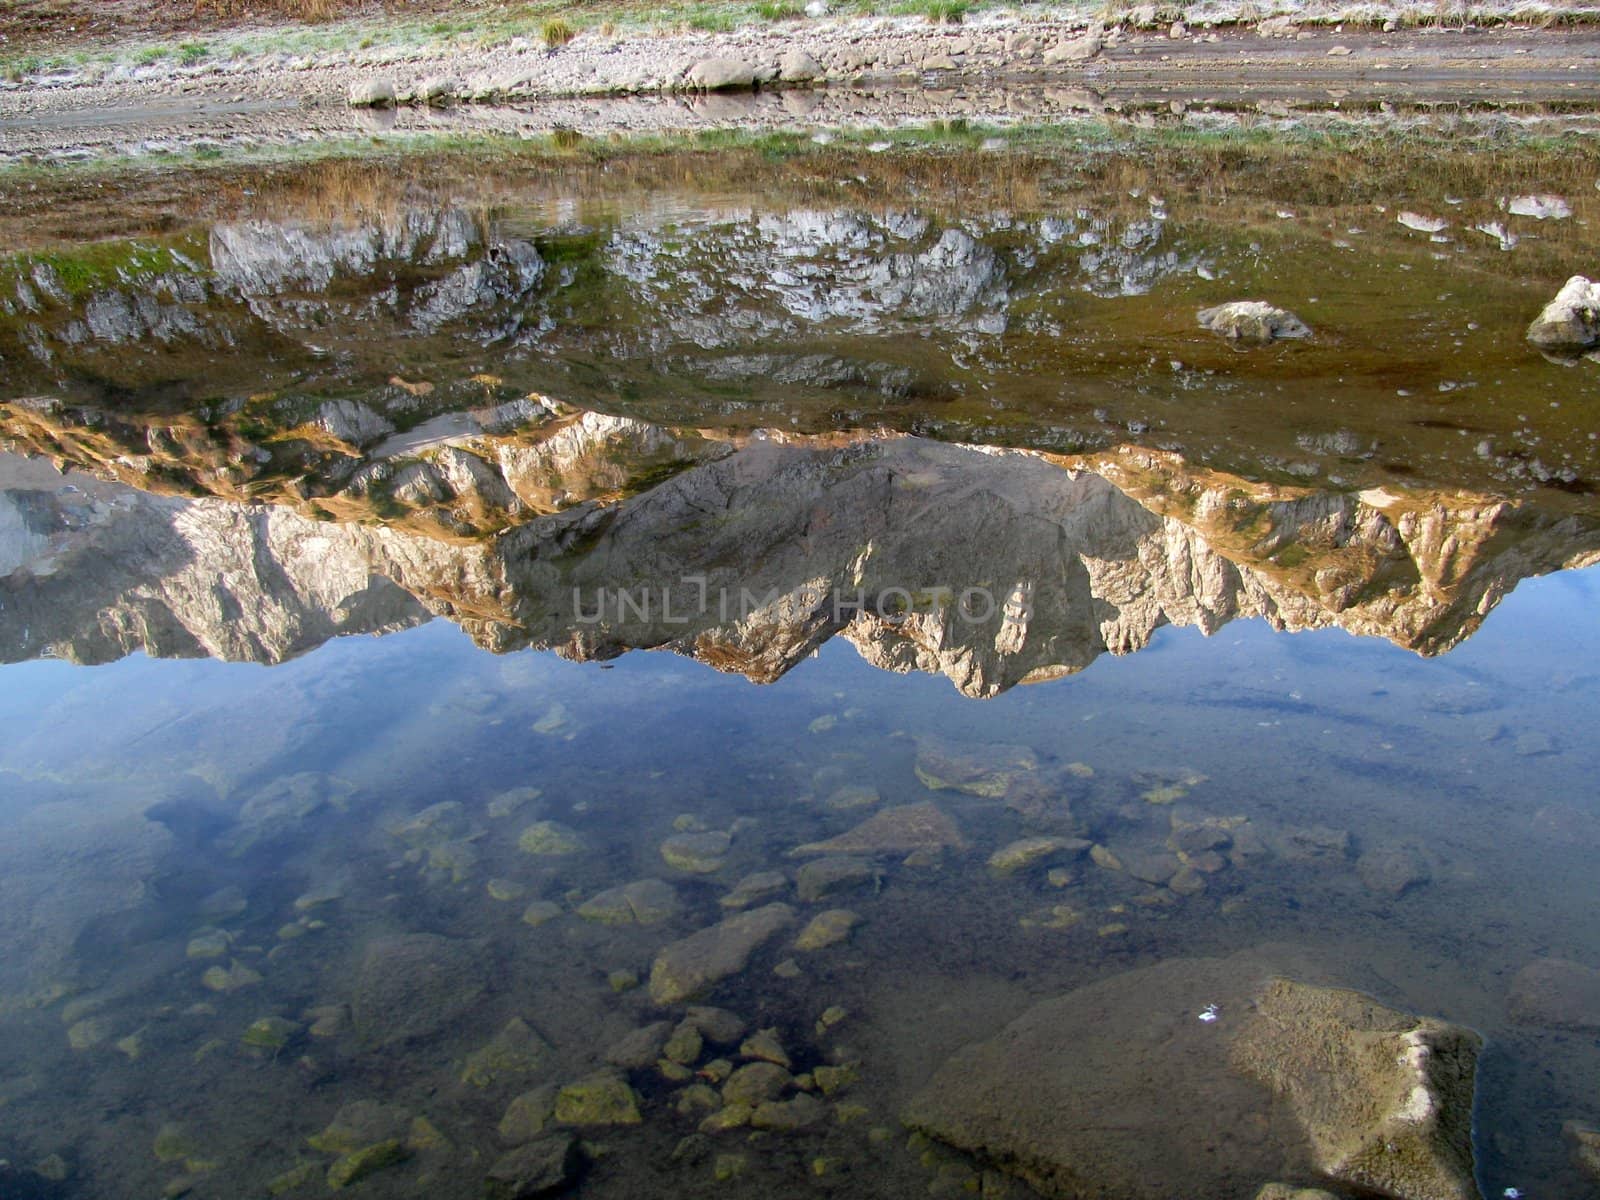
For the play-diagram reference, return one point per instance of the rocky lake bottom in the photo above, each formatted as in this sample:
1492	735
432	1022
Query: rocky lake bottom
1112	741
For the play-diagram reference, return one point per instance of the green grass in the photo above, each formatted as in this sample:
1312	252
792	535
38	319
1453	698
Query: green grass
937	12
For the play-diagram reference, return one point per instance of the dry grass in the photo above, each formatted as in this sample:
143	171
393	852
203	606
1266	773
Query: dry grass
291	10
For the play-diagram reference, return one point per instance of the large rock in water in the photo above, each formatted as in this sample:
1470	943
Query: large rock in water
711	955
414	985
1253	321
1571	321
901	830
1118	1091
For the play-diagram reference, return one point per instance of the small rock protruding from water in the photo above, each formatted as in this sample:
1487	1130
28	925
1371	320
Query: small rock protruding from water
372	93
1253	322
1570	323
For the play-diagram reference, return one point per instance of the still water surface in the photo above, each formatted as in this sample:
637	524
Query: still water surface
347	901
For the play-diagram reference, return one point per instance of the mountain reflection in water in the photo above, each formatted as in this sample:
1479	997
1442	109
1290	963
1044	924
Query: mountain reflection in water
405	916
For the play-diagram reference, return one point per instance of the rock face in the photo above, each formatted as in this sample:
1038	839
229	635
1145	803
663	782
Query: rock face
1253	321
900	830
413	986
711	955
1118	1091
1570	322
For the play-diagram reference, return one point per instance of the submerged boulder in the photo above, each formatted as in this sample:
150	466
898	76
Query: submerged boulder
1570	322
1118	1090
414	985
711	955
1253	321
900	830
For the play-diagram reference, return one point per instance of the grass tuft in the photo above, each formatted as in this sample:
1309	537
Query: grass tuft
557	32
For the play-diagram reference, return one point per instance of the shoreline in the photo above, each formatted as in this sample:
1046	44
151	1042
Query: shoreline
884	70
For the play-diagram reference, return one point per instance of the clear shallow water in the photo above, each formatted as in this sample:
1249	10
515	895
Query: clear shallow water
295	860
1315	729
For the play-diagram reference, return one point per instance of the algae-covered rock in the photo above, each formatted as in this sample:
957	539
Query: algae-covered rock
642	902
361	1123
979	769
603	1098
506	890
294	1179
233	978
209	943
1117	1090
729	1116
271	1033
358	1164
414	985
696	853
539	1168
799	1112
515	1051
756	1082
550	839
174	1143
756	889
717	1025
765	1046
852	795
513	800
711	955
832	1080
89	1032
639	1049
685	1044
836	873
894	831
1027	853
528	1115
827	929
540	912
435	825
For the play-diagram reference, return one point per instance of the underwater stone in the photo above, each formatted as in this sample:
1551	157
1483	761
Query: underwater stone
799	1112
853	796
540	1168
729	1116
541	912
1350	1090
837	873
755	1082
642	902
835	1079
210	943
716	1025
1556	993
1393	870
696	1099
89	1033
173	1144
515	1050
271	1033
764	1046
599	1099
640	1048
1583	1141
294	1179
685	1044
414	985
361	1123
753	889
232	978
439	823
976	769
550	839
526	1117
894	831
357	1165
827	929
711	955
1032	852
506	890
511	800
1286	1191
696	853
